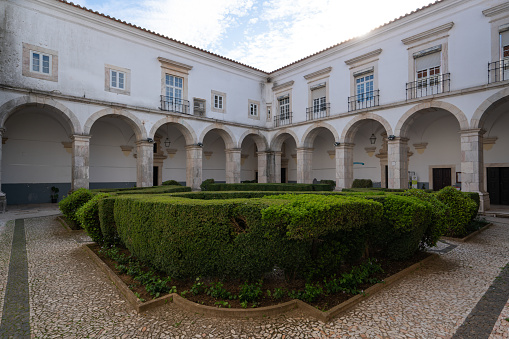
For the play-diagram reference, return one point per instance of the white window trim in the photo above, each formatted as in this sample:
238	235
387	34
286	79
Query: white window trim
41	55
213	106
256	104
27	62
108	86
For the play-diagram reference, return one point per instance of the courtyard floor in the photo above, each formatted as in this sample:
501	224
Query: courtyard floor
49	288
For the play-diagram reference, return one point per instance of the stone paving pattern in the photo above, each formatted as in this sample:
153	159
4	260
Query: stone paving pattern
70	297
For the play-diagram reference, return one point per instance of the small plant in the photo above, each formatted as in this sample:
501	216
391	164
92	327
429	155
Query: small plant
54	194
222	303
309	294
198	287
243	304
216	290
184	293
250	292
139	296
279	293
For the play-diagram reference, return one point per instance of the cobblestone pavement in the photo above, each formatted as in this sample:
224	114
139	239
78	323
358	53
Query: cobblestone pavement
71	298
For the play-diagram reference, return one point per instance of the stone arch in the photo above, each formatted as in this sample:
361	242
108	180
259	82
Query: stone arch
14	105
309	136
351	128
225	133
277	139
183	127
407	118
260	140
477	120
133	121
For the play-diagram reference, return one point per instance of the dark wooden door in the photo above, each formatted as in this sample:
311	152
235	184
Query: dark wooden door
386	176
283	175
498	185
441	178
155	176
504	185
493	175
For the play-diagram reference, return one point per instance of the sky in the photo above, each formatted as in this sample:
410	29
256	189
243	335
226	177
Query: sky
265	34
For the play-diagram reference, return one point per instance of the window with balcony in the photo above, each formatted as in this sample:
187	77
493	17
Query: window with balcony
319	105
499	69
174	86
429	79
285	116
365	94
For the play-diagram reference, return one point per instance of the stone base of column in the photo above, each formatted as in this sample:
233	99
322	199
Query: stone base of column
484	202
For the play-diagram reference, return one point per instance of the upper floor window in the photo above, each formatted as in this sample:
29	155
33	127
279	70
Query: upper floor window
429	76
319	106
173	88
117	79
40	63
218	102
365	95
284	105
364	87
253	109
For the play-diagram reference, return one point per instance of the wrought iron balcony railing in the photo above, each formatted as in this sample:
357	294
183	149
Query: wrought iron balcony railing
432	85
498	71
283	119
364	100
174	104
318	111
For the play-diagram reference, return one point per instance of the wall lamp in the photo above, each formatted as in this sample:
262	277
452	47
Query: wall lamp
337	143
150	140
200	144
391	137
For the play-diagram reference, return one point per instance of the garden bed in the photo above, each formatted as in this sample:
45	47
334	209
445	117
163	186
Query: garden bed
323	308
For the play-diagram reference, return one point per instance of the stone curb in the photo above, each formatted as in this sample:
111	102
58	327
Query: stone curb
66	226
470	236
249	313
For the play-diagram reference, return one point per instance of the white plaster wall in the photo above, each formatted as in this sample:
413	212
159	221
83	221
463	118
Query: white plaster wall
497	125
371	168
33	152
107	162
323	167
174	166
250	165
441	131
290	149
215	167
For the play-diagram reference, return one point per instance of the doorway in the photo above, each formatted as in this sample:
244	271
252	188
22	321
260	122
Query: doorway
441	178
155	176
283	175
386	176
498	185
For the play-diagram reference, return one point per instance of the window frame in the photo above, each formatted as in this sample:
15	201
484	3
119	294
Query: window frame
220	105
27	69
108	79
256	105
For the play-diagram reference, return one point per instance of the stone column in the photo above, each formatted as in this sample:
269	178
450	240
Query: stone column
144	163
344	165
397	158
472	165
304	165
194	165
80	161
263	168
233	158
277	166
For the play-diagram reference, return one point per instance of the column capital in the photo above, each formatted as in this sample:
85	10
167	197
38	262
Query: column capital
80	137
398	140
305	149
345	145
472	132
144	143
233	150
193	147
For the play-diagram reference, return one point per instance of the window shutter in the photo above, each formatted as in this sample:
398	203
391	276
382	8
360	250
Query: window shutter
428	61
318	92
504	38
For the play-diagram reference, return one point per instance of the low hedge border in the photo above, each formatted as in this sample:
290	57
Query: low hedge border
468	237
274	310
267	187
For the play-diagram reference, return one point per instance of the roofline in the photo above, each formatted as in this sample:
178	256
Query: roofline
317	54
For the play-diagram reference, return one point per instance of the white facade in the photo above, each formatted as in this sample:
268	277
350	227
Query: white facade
83	95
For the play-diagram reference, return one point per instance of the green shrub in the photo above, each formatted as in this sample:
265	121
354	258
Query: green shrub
88	216
462	210
171	183
70	204
250	292
399	234
331	183
204	185
267	187
107	221
362	183
475	197
439	216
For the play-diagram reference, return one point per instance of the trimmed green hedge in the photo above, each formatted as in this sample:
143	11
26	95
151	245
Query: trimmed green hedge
267	187
88	216
71	203
107	221
362	183
144	190
171	183
463	210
